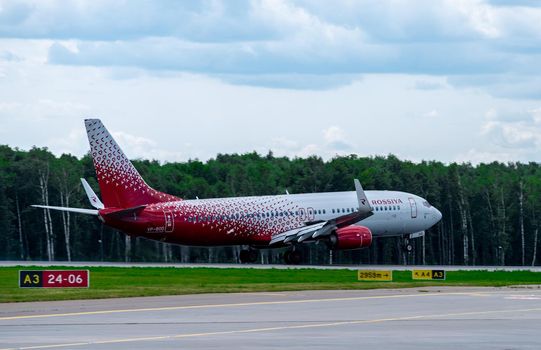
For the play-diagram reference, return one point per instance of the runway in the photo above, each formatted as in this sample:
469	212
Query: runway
428	318
268	266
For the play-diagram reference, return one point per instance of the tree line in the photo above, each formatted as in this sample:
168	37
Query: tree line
490	211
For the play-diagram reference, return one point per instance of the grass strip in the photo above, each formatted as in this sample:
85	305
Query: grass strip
117	282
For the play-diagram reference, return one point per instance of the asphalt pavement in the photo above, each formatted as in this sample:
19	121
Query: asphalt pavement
420	318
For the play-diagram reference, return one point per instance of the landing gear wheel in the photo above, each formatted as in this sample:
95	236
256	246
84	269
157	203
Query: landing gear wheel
292	257
406	245
248	256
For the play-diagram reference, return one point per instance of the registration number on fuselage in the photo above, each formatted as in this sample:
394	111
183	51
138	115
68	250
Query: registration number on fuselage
158	229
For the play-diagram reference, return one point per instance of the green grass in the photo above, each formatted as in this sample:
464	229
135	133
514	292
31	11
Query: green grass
116	282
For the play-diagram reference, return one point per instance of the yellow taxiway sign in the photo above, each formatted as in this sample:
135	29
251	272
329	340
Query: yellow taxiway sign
428	274
375	275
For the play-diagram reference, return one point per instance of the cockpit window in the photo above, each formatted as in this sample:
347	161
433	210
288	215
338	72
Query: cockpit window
426	204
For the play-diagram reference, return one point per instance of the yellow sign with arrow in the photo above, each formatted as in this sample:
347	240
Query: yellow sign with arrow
428	274
375	275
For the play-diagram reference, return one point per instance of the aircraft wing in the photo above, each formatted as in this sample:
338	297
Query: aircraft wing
322	229
292	236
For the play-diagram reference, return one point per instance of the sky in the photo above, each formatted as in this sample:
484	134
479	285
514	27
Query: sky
451	81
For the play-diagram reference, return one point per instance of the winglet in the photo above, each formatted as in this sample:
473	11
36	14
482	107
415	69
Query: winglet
92	196
364	204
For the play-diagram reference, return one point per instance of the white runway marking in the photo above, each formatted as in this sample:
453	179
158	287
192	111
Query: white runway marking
273	329
282	302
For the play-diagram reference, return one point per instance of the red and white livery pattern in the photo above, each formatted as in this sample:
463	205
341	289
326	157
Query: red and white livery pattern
120	184
343	220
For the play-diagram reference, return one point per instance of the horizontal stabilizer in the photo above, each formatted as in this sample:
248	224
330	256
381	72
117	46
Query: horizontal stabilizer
73	210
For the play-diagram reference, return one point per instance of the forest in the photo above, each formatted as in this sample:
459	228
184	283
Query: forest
490	211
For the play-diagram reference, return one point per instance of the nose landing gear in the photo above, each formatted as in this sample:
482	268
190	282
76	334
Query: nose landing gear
407	247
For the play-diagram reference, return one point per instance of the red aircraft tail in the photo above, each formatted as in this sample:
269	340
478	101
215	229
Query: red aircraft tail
121	185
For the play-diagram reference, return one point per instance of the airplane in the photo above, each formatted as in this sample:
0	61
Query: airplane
341	220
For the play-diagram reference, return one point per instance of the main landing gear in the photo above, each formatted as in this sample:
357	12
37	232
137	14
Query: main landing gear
407	247
248	256
292	257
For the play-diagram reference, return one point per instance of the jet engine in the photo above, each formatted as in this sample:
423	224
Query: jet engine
350	237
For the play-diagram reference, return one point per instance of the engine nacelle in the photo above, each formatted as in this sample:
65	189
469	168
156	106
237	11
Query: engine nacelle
351	237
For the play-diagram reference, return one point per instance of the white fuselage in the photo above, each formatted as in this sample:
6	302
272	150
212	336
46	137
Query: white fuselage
395	212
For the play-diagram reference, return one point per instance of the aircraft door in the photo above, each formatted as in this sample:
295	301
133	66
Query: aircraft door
169	221
413	206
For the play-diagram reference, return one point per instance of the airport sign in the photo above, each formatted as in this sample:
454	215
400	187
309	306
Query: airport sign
54	278
375	275
428	274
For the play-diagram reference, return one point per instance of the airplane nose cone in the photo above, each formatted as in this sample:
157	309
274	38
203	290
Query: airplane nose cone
436	215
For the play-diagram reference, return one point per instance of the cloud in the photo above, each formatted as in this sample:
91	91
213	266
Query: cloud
264	59
286	44
9	56
432	114
333	140
101	20
42	109
515	3
336	139
292	81
516	130
513	86
75	141
429	85
9	107
141	147
304	77
476	156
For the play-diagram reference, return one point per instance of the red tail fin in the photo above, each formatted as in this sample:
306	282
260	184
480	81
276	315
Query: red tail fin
121	185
